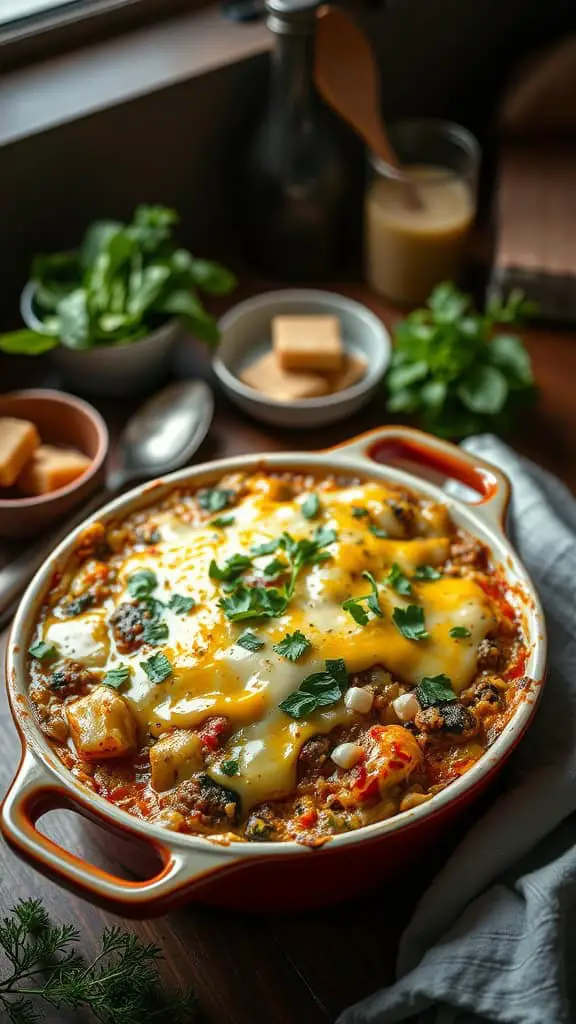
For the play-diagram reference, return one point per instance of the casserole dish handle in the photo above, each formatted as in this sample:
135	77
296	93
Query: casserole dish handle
412	449
34	792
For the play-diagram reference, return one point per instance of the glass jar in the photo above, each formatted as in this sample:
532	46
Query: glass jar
410	246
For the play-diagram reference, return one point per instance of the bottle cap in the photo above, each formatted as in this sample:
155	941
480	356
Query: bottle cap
291	16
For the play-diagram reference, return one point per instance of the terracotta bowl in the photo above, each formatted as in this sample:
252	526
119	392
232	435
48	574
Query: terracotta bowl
64	420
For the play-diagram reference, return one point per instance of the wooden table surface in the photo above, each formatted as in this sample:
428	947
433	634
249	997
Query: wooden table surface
280	969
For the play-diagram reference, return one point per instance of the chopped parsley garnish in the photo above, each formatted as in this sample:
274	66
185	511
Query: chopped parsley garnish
42	651
410	622
253	603
378	531
216	499
311	506
427	572
323	536
231	569
155	633
319	690
250	641
222	521
268	548
359	512
230	767
157	668
141	584
79	604
293	646
116	677
274	568
180	605
434	690
354	605
398	581
460	632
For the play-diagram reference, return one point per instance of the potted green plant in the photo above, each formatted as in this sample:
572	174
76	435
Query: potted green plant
110	311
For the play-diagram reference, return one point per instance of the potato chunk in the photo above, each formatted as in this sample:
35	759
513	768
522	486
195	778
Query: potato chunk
102	725
174	758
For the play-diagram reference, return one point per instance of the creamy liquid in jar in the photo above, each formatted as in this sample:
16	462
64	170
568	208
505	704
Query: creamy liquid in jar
407	249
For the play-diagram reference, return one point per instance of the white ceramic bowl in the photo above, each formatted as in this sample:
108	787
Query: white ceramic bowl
115	371
246	335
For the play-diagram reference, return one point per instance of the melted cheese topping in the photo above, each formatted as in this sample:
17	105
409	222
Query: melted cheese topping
214	676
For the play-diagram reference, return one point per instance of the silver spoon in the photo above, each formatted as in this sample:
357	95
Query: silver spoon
162	436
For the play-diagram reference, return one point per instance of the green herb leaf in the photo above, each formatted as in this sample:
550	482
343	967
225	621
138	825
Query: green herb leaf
79	604
216	499
222	521
434	690
293	646
265	549
460	632
410	622
321	689
253	603
26	343
117	677
311	506
157	668
180	605
275	568
155	633
74	320
426	573
483	389
250	641
358	512
354	604
355	609
378	531
231	569
212	277
398	581
142	583
230	767
324	536
42	651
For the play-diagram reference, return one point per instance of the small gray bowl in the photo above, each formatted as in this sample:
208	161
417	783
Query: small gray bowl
246	335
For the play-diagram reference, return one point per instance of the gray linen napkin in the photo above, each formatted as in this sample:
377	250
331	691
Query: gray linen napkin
494	937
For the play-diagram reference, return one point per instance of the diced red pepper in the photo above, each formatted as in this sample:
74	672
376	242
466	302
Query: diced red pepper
308	818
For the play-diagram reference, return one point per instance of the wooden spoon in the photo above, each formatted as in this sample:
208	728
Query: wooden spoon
347	77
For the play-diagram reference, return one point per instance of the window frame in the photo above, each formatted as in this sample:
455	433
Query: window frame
63	28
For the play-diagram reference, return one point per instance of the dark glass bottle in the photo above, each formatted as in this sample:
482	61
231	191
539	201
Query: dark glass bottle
293	197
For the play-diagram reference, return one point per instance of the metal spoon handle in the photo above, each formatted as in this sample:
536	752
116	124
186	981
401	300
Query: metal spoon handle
17	574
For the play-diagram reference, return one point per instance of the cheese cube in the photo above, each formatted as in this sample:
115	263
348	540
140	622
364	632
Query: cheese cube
175	757
353	369
18	441
307	342
102	725
51	468
268	376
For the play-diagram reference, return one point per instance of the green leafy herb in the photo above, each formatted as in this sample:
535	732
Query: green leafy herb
410	622
311	506
216	499
231	569
222	521
157	668
121	984
230	767
156	633
354	605
460	632
426	573
116	677
293	646
79	604
253	603
453	371
265	549
378	531
359	512
396	579
274	568
42	651
321	689
123	282
141	584
180	605
434	690
250	641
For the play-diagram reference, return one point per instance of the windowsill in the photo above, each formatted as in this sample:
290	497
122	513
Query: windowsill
63	89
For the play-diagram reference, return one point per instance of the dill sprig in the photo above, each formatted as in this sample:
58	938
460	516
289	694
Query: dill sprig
120	985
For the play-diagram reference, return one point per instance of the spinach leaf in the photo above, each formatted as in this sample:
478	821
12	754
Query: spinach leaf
74	320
